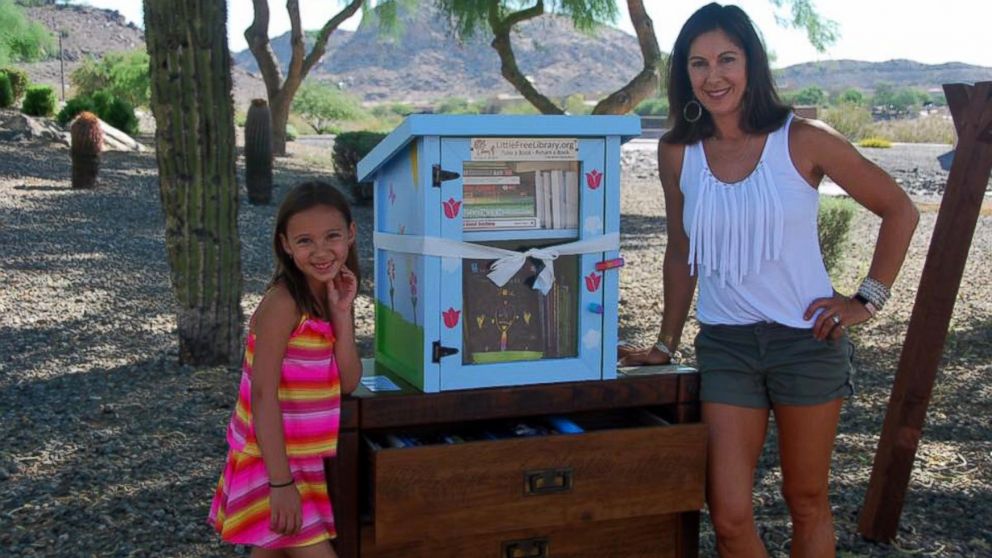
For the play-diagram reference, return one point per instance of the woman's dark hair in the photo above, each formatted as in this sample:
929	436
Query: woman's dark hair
301	198
762	109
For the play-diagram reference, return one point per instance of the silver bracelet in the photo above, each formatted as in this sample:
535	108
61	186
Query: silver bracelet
674	356
875	292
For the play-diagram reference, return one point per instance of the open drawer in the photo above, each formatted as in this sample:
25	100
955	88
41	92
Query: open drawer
623	465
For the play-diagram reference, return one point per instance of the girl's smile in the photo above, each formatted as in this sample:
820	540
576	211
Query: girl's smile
318	240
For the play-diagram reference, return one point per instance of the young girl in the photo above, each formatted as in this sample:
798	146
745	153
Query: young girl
300	356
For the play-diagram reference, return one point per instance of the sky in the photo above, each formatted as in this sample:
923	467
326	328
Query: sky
870	30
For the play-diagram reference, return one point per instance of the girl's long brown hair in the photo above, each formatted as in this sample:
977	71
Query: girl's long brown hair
301	198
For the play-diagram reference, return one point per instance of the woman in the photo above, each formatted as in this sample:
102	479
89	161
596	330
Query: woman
740	176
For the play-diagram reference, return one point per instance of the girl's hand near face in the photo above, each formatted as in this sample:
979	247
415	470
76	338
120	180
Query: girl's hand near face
341	291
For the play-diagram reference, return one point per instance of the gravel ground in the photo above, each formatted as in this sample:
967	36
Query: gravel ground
112	449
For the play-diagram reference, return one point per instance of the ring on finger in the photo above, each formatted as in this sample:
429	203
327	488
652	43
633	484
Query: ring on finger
836	319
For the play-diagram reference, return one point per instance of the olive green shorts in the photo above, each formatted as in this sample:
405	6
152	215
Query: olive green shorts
760	365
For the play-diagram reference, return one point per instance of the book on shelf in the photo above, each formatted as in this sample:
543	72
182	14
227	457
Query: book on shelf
557	194
499	223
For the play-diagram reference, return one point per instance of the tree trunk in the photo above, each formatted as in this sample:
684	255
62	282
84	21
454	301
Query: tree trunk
194	140
645	83
501	28
280	91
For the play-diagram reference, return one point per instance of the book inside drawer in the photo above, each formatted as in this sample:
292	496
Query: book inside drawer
622	464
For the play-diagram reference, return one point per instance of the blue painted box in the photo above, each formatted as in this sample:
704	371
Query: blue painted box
496	240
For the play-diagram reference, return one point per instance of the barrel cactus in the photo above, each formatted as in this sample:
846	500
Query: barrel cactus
258	153
87	143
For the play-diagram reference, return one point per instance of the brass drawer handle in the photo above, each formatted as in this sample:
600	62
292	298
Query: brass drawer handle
547	481
527	548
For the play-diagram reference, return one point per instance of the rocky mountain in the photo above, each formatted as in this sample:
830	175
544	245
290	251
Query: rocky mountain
424	62
841	74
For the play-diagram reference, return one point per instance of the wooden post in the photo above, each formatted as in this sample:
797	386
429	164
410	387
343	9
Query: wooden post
971	108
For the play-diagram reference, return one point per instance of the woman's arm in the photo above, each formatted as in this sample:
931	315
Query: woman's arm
275	320
341	293
821	151
679	285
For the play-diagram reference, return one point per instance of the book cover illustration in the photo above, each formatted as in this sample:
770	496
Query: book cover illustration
516	322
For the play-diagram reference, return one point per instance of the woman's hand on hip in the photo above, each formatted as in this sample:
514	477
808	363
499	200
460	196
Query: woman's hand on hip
637	356
835	314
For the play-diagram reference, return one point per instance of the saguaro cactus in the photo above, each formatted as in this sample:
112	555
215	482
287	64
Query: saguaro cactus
87	143
258	153
194	138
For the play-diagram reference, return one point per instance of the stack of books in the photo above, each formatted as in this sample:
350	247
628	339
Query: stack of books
496	197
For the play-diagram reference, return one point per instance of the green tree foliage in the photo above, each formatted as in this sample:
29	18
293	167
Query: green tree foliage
850	96
899	99
123	75
576	104
820	32
810	96
322	105
22	40
39	101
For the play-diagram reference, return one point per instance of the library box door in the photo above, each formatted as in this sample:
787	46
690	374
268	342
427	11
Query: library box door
503	196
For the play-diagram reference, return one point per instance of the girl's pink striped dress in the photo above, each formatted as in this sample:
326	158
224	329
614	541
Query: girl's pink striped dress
310	399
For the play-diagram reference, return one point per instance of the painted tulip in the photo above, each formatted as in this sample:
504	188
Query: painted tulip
593	179
451	208
451	317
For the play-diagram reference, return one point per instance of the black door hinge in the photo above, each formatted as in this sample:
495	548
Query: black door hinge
440	175
440	351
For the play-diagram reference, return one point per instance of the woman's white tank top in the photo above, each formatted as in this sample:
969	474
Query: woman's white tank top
753	244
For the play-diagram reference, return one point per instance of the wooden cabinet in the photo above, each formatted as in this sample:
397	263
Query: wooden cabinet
631	484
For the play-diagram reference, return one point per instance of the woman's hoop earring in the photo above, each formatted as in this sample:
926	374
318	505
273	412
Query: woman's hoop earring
697	107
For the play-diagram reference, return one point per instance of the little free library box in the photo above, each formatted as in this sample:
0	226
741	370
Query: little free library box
493	421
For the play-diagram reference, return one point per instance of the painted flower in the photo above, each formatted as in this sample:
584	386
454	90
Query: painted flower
413	284
392	193
451	208
451	317
593	179
391	269
592	281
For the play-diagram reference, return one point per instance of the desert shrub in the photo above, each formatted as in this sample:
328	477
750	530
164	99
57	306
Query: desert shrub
112	110
121	74
853	121
349	148
22	40
39	101
925	129
875	142
6	92
652	107
19	81
392	110
120	115
519	107
291	133
73	107
322	106
458	105
576	104
833	225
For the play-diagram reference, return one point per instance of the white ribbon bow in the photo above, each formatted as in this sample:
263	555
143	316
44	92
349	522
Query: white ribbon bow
508	262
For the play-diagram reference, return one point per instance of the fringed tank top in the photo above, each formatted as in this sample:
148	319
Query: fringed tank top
753	244
309	394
